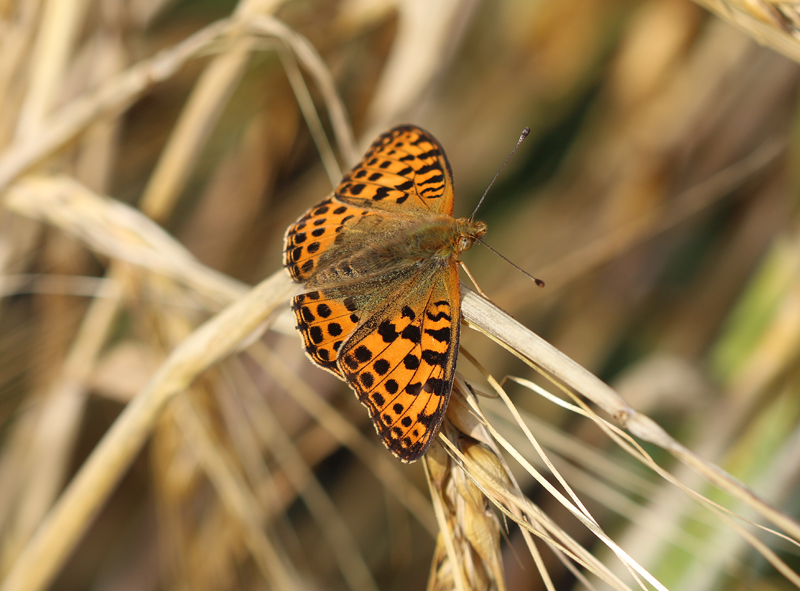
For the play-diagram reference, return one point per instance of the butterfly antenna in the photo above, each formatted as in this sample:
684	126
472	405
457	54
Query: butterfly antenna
538	281
522	136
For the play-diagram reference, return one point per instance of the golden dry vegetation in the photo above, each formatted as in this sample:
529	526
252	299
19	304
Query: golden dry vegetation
154	437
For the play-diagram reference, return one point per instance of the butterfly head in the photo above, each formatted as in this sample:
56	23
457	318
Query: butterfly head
468	232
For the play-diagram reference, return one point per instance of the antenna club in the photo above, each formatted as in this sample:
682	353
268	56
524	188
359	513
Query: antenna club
538	281
524	133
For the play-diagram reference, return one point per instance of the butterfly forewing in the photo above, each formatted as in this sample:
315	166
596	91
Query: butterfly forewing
314	234
404	170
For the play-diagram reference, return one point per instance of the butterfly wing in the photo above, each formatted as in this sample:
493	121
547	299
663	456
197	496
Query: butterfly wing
314	235
328	316
401	363
373	315
325	321
404	174
399	359
405	170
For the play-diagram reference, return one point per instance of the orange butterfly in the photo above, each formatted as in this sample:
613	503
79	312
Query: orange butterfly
379	258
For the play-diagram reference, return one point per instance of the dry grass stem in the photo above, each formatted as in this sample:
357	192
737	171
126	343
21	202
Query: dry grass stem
775	24
541	355
302	479
307	55
117	231
152	155
116	94
200	115
218	338
597	253
234	493
372	456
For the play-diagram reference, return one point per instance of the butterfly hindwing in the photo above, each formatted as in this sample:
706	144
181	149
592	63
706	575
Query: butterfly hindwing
402	365
325	323
404	170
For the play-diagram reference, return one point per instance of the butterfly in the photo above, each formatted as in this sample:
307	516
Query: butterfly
382	308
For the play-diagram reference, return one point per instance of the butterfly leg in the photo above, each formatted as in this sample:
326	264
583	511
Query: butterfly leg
471	278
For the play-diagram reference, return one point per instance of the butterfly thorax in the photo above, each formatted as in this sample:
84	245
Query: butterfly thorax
433	241
376	245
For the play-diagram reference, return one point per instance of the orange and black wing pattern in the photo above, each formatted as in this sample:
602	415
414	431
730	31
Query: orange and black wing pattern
376	313
405	171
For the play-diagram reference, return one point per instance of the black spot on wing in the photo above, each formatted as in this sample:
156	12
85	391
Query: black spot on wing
429	154
381	193
362	354
388	331
412	333
442	334
411	361
434	386
414	389
409	313
367	379
428	168
434	358
436	317
381	367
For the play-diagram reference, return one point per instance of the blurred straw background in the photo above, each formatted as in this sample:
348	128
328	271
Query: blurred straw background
655	196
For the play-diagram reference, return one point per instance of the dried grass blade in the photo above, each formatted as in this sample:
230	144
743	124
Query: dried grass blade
216	339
